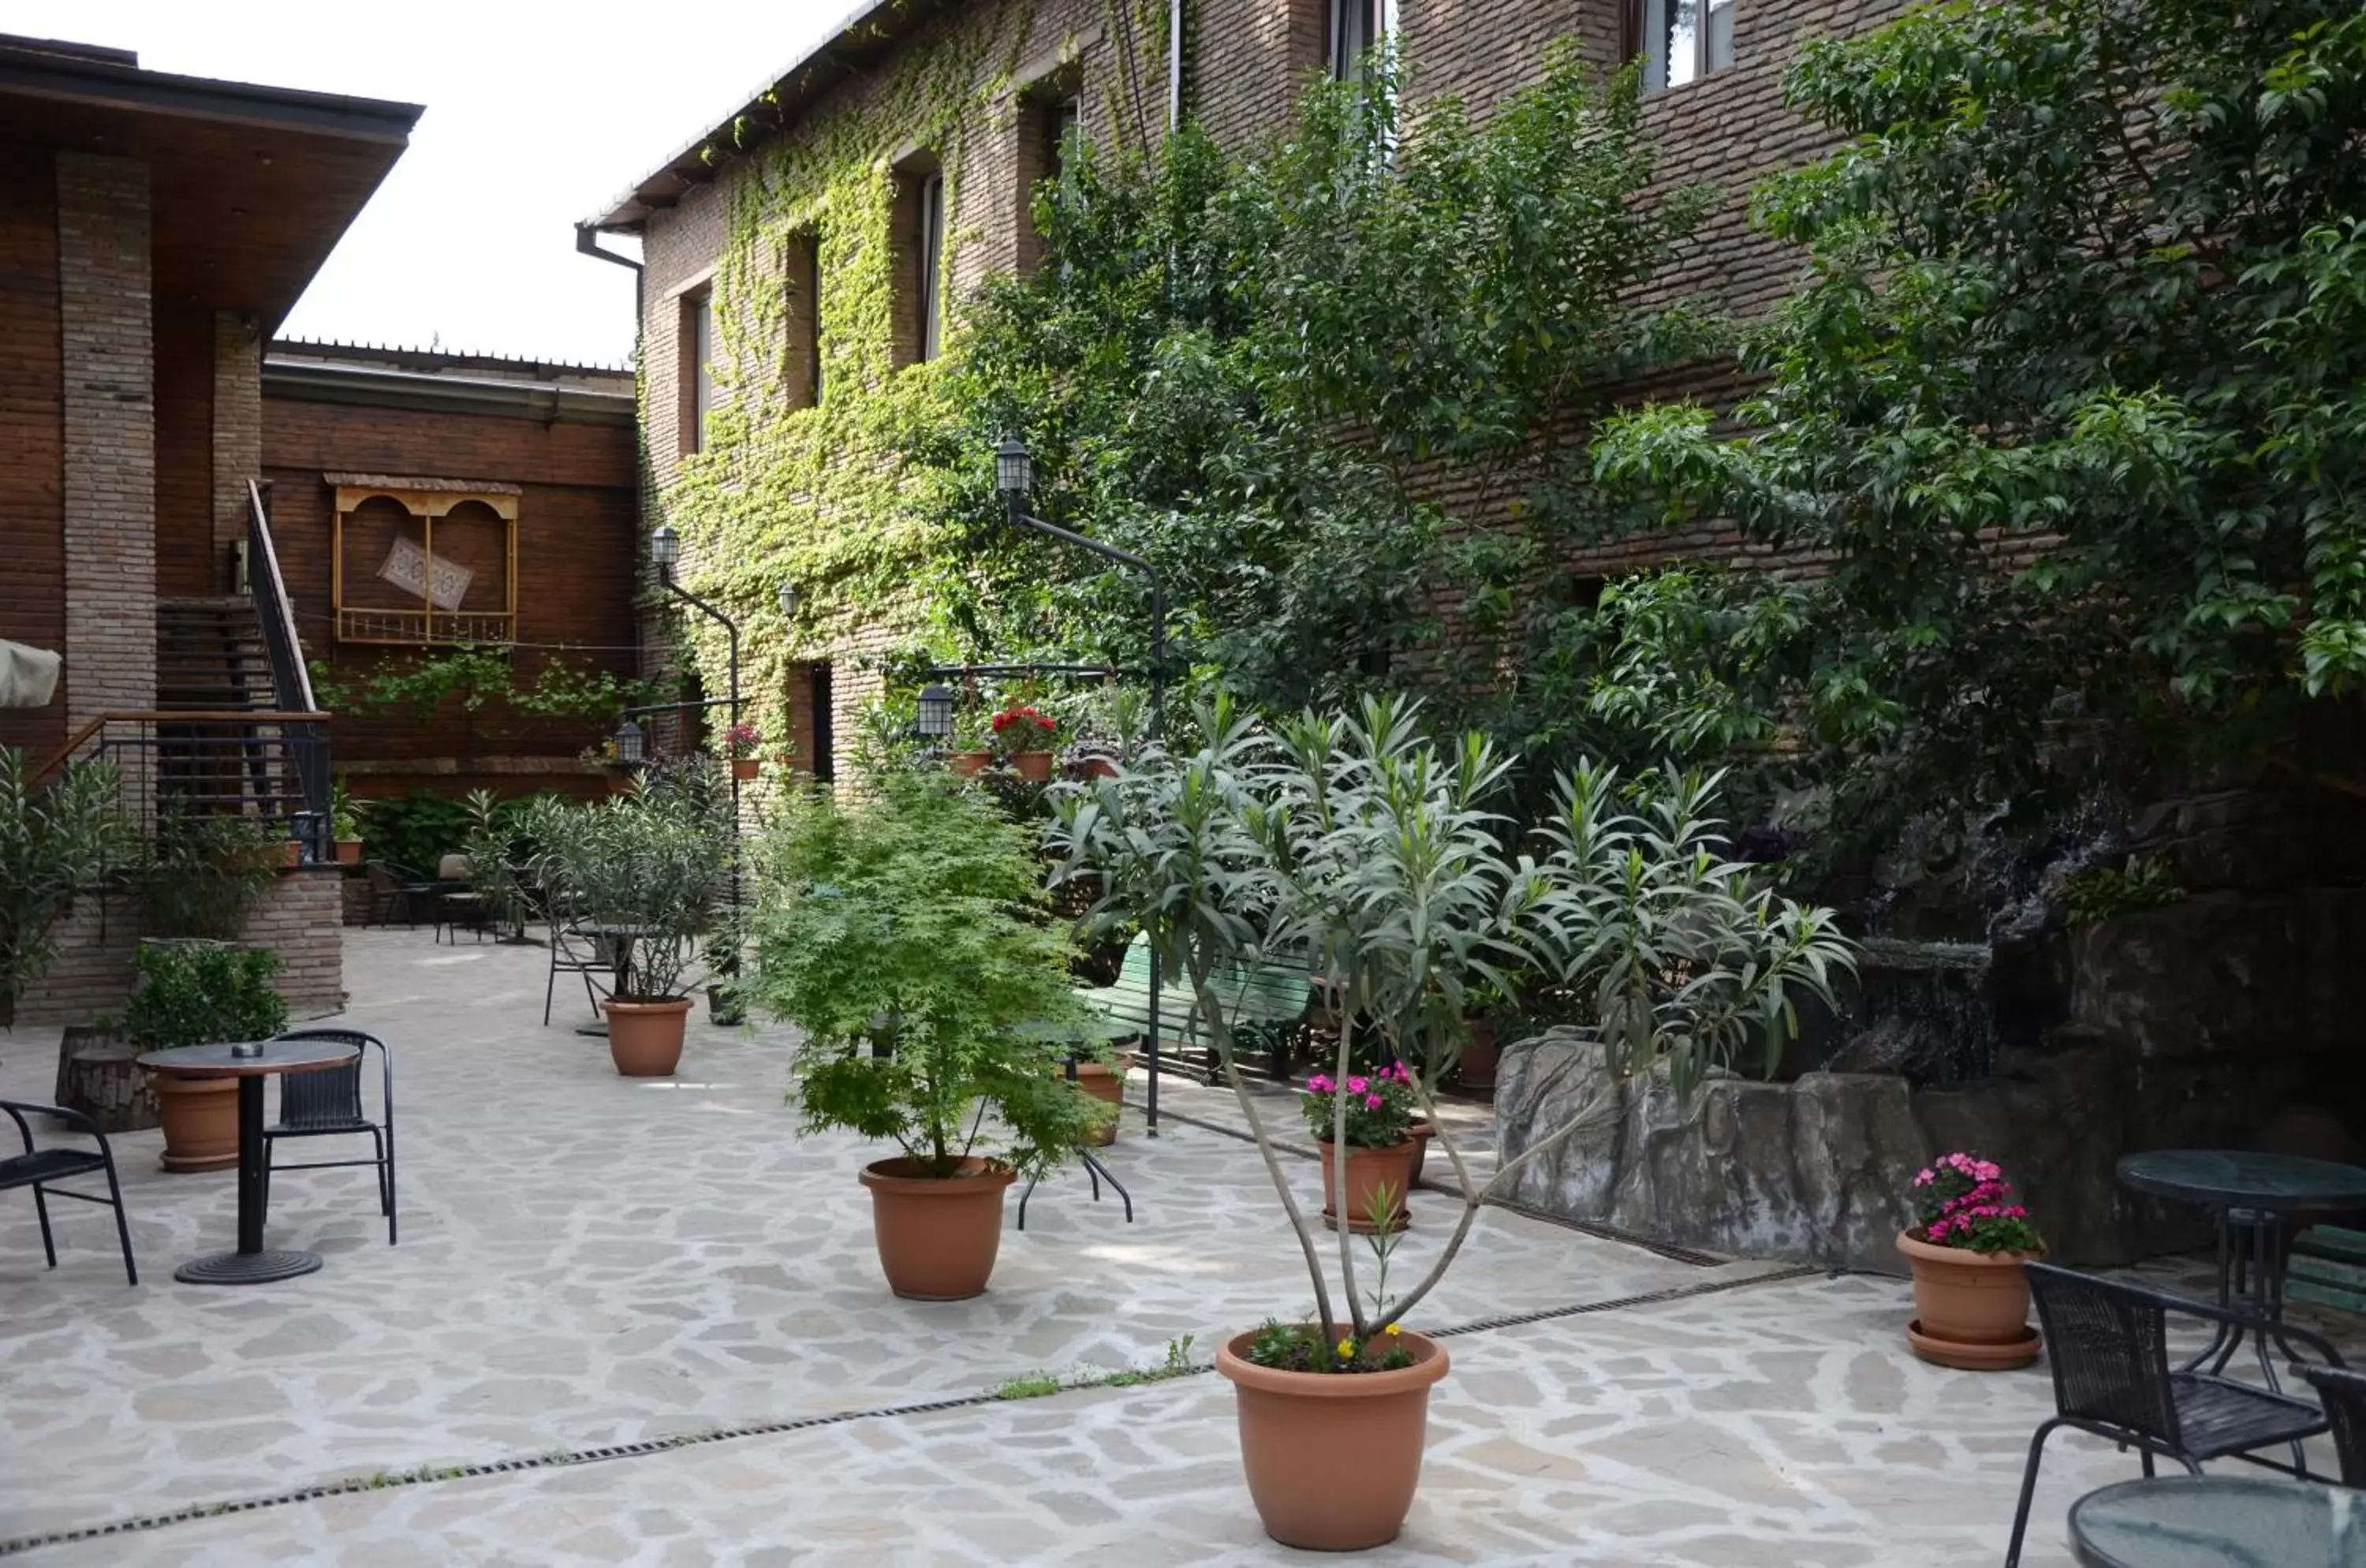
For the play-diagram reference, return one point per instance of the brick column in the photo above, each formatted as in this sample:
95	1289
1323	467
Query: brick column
107	336
238	430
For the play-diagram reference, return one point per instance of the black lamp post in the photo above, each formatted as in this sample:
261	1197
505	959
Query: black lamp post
665	551
1014	476
934	720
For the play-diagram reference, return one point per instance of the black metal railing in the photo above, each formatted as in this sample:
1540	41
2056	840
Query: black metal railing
303	730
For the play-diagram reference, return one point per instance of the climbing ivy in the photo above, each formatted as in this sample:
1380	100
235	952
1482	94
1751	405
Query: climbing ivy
829	497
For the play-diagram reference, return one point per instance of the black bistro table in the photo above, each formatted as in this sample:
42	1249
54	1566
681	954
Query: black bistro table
249	1062
2251	1194
2220	1521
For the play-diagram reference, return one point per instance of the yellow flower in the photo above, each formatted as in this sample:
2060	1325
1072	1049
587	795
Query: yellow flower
1346	1349
1394	1331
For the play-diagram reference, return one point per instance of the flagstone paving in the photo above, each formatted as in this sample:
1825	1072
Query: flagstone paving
587	1261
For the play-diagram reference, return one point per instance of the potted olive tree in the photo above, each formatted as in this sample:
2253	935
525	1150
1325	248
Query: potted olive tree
644	871
905	937
1357	844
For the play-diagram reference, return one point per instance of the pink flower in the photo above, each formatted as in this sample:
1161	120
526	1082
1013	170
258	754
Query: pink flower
1358	1085
1320	1084
1373	1102
1925	1179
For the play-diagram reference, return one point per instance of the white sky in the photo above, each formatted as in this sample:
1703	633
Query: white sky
538	114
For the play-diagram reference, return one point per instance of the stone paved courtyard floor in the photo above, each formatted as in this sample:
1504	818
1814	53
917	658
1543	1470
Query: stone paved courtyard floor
590	1263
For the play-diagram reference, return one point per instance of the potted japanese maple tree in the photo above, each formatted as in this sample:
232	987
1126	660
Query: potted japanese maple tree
905	936
1358	845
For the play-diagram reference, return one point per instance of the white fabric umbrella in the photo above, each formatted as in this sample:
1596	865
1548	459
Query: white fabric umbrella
28	675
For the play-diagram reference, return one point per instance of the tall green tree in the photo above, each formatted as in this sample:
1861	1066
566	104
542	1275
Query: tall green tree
1252	368
2071	396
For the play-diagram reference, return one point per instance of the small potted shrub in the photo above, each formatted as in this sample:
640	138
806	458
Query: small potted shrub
905	937
1381	1148
345	823
1022	737
1971	1236
203	875
972	749
201	993
740	739
646	870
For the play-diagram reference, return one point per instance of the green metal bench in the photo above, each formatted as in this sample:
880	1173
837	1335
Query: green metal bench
1261	1002
2327	1267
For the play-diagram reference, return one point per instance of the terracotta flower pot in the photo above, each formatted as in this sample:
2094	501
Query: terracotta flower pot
1368	1171
1333	1459
746	768
1971	1308
1420	1132
200	1121
644	1038
349	852
937	1235
1035	767
968	764
1476	1070
1105	1084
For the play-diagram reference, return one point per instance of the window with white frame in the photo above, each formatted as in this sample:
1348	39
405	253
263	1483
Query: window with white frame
1680	40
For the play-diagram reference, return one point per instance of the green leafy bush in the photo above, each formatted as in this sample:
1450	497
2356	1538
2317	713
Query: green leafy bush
656	859
56	839
913	922
199	993
203	874
2098	893
415	830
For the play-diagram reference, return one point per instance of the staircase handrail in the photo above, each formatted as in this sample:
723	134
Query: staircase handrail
273	608
91	728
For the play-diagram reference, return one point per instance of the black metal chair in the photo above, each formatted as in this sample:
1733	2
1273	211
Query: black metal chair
575	950
37	1168
2107	1343
2343	1393
328	1103
390	894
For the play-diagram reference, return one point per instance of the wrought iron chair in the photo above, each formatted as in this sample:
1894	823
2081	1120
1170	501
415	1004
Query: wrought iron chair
390	894
2107	1343
2344	1396
575	950
328	1103
37	1168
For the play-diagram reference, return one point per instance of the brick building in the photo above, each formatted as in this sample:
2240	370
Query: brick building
513	483
954	209
154	230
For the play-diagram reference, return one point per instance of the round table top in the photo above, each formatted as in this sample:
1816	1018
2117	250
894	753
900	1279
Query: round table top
2240	1179
278	1056
2220	1521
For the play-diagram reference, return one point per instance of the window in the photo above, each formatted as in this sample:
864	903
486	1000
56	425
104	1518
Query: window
825	743
1356	29
801	282
1675	44
1048	116
697	351
920	243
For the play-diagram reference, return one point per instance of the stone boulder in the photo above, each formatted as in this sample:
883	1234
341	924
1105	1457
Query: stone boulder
1811	1169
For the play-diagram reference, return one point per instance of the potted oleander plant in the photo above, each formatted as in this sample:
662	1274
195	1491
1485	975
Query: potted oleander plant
646	871
905	936
58	838
1356	845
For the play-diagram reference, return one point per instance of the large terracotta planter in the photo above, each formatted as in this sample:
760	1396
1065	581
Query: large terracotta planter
1105	1084
644	1038
1420	1132
1035	767
1971	1308
200	1121
968	764
937	1235
1333	1459
1475	1070
1367	1170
